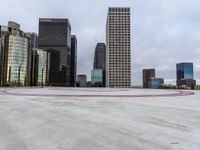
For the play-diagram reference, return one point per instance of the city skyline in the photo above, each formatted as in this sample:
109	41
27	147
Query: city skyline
173	24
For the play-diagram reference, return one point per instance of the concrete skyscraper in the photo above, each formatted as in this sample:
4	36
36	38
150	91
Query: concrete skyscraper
118	52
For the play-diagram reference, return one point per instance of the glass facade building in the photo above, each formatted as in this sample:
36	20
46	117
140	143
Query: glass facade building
55	37
17	60
97	78
3	52
33	43
42	67
13	55
100	60
155	83
185	71
34	67
185	75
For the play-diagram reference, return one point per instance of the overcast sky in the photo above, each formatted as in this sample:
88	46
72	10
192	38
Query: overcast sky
164	32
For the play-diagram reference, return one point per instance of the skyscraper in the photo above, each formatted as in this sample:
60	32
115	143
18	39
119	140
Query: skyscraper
39	69
100	61
55	37
73	61
185	75
118	52
147	75
97	78
14	51
100	56
33	43
33	39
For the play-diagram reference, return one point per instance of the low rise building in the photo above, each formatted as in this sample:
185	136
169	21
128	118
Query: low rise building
82	80
155	83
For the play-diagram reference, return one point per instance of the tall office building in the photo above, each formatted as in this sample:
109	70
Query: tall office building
34	67
185	75
118	52
39	69
33	39
100	61
100	56
33	43
14	51
97	78
73	61
55	37
147	75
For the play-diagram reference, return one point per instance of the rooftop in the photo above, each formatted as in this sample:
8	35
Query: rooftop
84	118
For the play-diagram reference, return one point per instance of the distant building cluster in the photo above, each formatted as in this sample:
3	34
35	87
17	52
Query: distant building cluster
150	81
29	60
184	74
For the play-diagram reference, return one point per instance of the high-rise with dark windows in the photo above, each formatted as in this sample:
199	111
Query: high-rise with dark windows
55	37
100	61
33	43
73	61
100	56
147	75
185	75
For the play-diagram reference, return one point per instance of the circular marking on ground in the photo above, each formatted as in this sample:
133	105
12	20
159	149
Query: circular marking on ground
90	93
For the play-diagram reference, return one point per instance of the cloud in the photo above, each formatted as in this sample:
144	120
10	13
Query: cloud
164	32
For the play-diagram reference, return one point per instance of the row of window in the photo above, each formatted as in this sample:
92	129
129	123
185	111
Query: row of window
119	63
119	41
124	35
114	55
119	20
116	83
120	32
121	26
124	72
119	13
119	10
